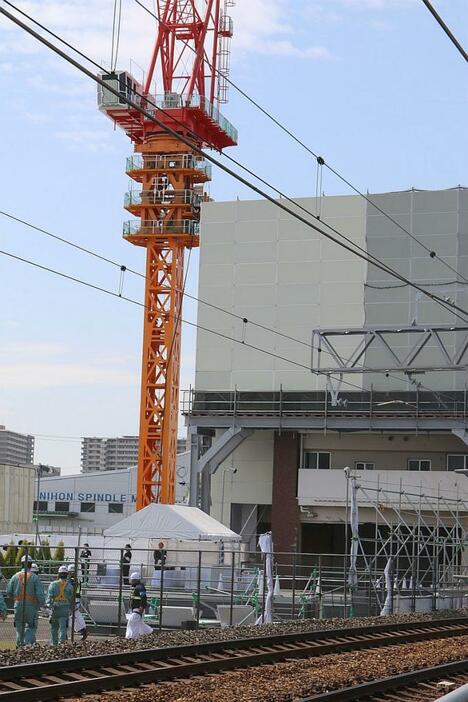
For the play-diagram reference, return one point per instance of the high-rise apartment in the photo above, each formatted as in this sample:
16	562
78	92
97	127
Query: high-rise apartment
15	448
114	453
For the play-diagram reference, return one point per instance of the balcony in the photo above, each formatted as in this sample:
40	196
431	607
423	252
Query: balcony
161	197
168	162
147	227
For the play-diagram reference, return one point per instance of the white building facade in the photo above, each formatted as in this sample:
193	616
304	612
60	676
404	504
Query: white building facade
281	434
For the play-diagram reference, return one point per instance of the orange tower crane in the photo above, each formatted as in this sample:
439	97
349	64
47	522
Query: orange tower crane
185	84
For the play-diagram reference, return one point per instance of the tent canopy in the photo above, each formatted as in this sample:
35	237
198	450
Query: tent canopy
171	522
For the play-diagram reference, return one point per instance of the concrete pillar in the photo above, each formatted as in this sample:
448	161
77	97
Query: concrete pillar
285	523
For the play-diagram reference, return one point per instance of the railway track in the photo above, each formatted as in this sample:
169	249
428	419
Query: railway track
38	682
423	684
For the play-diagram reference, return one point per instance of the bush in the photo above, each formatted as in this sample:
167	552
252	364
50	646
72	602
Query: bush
59	555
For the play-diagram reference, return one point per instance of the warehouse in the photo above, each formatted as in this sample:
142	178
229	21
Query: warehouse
95	501
278	435
16	497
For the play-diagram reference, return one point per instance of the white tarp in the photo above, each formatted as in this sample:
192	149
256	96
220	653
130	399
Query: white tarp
387	608
266	545
354	523
171	522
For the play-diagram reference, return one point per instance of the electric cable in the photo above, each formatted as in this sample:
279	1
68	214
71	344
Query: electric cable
223	310
101	289
448	306
446	29
320	160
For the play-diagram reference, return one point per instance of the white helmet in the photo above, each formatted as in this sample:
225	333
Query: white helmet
135	576
26	558
35	568
71	568
62	569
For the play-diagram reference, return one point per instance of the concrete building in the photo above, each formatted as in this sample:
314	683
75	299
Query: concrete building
16	498
94	501
280	434
99	454
16	448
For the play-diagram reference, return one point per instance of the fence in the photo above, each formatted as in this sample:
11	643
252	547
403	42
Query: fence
191	589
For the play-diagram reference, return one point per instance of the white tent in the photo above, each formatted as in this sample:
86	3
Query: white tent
182	522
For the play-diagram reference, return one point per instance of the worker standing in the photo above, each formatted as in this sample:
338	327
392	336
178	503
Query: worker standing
138	602
26	590
80	624
3	607
126	560
85	558
159	555
59	601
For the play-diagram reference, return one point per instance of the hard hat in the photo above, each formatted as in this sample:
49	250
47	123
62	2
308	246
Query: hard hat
62	569
71	568
34	567
135	576
26	558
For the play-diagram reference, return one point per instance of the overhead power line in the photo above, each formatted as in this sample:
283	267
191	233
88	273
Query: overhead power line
446	29
320	160
245	321
106	291
447	305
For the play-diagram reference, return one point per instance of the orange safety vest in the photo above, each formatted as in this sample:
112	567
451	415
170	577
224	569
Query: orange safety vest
61	593
22	595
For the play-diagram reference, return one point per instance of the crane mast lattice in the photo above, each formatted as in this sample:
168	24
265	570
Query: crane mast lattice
186	80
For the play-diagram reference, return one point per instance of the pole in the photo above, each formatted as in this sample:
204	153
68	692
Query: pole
199	587
161	594
345	566
119	611
23	609
231	600
39	471
75	585
263	587
293	604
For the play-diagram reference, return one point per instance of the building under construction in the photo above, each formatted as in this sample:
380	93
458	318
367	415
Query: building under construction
355	369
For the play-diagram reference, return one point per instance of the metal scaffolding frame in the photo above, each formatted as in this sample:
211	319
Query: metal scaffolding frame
422	536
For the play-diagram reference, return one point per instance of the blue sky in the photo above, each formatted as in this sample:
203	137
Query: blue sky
372	85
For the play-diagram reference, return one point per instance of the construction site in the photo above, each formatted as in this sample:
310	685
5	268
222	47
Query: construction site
290	519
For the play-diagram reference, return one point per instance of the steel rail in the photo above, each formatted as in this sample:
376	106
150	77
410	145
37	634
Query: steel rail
50	680
404	681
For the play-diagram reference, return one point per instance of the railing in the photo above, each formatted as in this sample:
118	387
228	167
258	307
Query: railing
138	162
414	405
161	197
156	226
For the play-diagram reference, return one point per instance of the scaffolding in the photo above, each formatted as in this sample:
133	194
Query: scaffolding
416	550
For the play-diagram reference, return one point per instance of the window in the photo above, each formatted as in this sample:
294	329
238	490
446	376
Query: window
419	464
316	459
457	461
364	466
116	508
62	506
40	506
87	507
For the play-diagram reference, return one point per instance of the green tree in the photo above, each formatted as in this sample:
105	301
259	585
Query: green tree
59	555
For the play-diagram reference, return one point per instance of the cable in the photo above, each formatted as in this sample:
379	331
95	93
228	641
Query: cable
320	160
450	307
241	318
446	29
246	321
98	288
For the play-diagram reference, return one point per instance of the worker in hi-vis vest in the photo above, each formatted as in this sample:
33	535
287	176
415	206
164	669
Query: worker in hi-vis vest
59	601
27	593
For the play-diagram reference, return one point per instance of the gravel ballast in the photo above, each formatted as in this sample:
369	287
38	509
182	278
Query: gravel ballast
289	681
40	652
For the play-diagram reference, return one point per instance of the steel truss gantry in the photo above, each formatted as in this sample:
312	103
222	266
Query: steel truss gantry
428	348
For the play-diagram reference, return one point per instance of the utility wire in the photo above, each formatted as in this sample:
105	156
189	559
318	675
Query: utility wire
223	310
320	160
448	306
99	288
446	29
